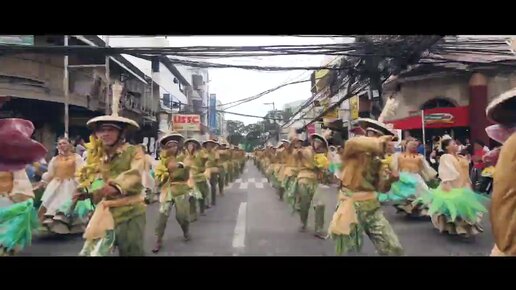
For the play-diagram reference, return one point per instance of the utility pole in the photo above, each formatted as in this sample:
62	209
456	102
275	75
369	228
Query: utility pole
66	89
108	79
277	126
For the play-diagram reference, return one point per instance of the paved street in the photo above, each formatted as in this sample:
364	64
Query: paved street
250	220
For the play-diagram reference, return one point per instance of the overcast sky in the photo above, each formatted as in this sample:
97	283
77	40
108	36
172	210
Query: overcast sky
231	84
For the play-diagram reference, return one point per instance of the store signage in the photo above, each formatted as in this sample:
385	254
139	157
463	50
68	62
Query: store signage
439	118
190	122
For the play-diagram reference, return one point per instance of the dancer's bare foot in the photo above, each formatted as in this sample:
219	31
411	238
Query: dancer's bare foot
157	247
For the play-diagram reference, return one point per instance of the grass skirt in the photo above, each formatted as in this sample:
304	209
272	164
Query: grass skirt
17	223
458	211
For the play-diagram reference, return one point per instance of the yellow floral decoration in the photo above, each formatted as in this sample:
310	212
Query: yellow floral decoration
88	173
161	171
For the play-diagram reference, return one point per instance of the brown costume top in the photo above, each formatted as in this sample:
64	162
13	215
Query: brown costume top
503	205
410	162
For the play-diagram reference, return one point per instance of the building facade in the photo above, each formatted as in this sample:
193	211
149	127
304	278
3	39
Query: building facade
452	97
34	86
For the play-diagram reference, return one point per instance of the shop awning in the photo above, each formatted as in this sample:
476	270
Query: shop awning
435	118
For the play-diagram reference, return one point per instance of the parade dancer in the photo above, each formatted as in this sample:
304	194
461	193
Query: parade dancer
223	166
359	210
414	172
279	176
196	160
503	206
453	206
18	217
292	166
174	179
149	186
60	185
270	160
307	181
243	158
212	167
233	164
112	179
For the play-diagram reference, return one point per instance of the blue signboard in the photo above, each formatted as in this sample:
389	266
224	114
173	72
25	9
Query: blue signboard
213	112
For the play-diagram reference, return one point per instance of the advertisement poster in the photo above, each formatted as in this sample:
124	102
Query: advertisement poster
186	122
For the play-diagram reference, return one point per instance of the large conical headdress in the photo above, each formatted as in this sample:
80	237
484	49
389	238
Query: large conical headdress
114	118
502	109
172	136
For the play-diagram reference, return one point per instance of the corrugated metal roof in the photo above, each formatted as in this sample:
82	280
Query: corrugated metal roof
459	54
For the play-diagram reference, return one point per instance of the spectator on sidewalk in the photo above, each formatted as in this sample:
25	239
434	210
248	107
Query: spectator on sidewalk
478	163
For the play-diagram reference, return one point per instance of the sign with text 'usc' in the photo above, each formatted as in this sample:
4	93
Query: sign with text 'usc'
183	122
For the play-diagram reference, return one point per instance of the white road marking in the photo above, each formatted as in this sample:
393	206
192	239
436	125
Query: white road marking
323	186
239	234
244	185
238	180
264	180
258	184
251	180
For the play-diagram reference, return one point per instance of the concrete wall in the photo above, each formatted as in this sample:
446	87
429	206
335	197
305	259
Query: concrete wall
415	93
498	84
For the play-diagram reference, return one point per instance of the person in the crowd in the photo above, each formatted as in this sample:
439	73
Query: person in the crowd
196	161
478	164
112	180
421	148
358	208
149	186
335	162
18	217
453	206
176	185
414	173
60	185
80	147
502	111
313	160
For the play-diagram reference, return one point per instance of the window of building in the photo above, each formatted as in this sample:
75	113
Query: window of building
437	103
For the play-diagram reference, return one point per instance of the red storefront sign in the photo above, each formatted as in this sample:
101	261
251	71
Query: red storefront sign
435	118
181	122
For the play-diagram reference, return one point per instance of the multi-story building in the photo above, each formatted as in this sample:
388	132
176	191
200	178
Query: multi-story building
221	120
454	94
34	86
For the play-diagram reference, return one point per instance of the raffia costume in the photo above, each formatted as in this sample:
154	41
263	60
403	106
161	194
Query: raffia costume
503	206
176	188
305	187
197	162
223	167
358	208
212	171
117	220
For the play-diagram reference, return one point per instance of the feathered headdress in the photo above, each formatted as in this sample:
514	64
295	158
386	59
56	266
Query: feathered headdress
389	109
